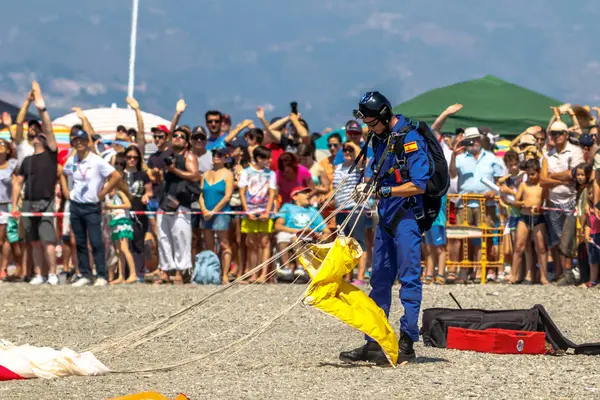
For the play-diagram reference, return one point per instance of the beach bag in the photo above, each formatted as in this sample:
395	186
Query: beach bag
207	269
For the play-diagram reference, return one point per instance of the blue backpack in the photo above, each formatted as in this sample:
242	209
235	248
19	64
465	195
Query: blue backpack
207	269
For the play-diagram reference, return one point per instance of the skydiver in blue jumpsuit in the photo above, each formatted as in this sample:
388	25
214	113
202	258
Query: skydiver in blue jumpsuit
397	246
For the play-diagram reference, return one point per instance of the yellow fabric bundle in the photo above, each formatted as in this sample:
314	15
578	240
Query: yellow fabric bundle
327	264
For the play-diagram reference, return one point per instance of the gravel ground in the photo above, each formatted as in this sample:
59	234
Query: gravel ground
297	357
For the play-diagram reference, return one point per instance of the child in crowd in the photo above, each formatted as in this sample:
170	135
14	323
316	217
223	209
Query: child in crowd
509	185
121	226
583	184
435	248
258	186
530	198
293	218
592	236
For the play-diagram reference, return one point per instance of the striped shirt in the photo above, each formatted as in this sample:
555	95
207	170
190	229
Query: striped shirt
341	171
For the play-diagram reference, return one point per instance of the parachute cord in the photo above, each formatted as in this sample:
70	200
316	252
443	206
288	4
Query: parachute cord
140	333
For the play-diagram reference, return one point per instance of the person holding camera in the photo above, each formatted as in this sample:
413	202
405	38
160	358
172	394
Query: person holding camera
181	189
471	163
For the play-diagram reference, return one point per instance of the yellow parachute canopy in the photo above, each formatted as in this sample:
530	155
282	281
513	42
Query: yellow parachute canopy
327	264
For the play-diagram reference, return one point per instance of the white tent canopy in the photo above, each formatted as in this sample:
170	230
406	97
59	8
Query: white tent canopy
105	122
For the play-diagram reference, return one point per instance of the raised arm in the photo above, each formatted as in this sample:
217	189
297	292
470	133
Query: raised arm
302	132
532	130
85	122
274	130
179	109
21	118
39	102
247	123
7	121
576	126
441	119
141	138
260	114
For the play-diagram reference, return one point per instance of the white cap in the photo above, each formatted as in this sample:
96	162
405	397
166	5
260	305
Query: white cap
558	126
471	133
493	138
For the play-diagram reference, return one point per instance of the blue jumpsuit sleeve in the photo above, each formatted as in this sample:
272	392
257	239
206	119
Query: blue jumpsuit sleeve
415	151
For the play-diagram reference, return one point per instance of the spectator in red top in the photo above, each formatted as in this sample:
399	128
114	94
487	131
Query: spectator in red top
291	174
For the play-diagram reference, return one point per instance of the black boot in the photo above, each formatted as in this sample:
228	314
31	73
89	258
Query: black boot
370	352
405	348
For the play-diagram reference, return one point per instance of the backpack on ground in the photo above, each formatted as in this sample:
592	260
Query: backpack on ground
207	269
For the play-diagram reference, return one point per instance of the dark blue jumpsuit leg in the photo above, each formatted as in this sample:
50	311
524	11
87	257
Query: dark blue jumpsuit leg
384	271
399	256
408	256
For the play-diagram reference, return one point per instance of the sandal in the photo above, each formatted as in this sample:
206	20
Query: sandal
441	280
428	280
451	278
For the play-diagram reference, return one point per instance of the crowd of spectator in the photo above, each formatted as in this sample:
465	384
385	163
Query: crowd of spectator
244	192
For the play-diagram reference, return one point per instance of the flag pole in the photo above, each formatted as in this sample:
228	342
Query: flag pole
134	18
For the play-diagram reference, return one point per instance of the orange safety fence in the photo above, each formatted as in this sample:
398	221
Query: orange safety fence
474	225
478	228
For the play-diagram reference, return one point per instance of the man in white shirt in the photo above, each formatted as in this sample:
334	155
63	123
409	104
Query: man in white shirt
557	177
89	173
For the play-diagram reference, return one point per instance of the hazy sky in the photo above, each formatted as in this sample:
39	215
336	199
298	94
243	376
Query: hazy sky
234	55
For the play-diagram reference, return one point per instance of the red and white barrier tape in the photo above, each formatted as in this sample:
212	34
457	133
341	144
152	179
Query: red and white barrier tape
63	214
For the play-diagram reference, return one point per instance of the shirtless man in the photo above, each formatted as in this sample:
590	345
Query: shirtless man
530	198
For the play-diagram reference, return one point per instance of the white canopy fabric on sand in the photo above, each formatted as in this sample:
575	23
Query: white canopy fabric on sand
105	122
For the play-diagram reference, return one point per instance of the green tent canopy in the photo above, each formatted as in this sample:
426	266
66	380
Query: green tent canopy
506	108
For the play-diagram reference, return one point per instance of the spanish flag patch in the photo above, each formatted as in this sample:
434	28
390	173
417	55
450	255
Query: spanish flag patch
410	147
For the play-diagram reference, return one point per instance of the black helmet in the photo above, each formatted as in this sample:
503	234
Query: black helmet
374	105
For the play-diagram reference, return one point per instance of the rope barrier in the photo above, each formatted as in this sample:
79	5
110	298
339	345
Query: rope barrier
32	214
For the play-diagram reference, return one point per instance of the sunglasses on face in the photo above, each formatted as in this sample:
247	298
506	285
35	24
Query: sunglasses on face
179	136
333	145
348	150
159	137
132	157
213	121
556	133
199	137
217	154
372	123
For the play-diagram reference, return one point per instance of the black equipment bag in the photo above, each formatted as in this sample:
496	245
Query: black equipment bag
436	322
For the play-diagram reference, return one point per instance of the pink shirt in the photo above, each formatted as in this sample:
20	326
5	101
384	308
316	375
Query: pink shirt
594	224
286	186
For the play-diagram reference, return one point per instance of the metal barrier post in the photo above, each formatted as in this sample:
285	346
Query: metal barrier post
484	236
